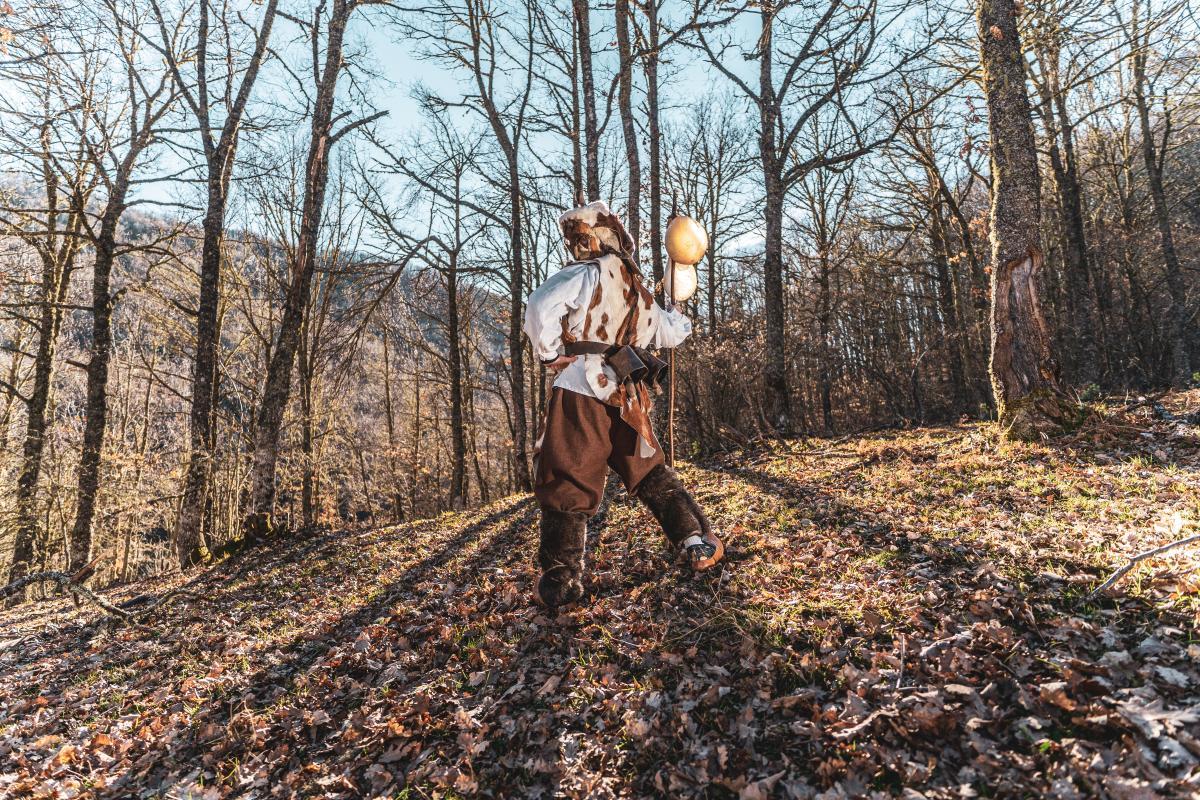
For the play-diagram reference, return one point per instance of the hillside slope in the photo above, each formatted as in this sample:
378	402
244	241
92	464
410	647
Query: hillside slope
899	613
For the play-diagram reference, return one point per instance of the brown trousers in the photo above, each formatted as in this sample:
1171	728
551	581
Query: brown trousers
582	439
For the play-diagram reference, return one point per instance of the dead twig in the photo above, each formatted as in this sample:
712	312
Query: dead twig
1146	554
1143	400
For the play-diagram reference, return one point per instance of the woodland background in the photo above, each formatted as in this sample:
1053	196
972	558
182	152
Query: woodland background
237	295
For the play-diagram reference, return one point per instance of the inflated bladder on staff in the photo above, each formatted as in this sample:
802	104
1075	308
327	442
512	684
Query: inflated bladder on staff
686	244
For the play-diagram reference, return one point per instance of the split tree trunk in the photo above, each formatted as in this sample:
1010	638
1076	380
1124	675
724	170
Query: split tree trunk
1023	372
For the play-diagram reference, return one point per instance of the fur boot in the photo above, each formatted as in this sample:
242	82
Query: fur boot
560	555
672	505
681	518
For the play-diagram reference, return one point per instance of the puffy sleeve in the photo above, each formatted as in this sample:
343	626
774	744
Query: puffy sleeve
563	292
673	327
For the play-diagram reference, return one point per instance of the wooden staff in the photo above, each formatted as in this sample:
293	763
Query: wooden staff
671	377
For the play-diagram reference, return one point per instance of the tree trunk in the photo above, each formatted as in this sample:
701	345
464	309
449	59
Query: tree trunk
190	545
190	540
415	450
277	388
591	144
1181	371
824	325
308	482
948	304
58	252
778	401
1081	333
393	444
96	403
458	470
28	529
655	135
625	104
1024	376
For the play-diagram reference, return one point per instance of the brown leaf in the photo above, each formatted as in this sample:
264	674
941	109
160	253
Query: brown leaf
761	789
549	686
1055	693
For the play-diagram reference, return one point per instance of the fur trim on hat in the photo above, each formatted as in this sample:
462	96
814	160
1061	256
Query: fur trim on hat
605	225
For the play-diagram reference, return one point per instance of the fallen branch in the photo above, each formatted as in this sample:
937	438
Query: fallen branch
1144	400
1140	557
73	585
67	583
1160	412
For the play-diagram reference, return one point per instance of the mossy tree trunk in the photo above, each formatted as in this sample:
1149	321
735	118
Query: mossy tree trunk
1024	375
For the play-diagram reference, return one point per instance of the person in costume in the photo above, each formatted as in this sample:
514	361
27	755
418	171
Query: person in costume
592	323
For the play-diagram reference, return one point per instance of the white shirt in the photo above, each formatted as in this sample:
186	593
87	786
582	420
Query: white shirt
568	293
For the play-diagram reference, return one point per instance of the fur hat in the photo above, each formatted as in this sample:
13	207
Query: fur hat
605	226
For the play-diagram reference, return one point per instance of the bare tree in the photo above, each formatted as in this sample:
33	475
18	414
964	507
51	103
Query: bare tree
323	137
1154	39
445	160
126	126
208	95
474	36
52	223
1024	375
712	161
1063	48
813	59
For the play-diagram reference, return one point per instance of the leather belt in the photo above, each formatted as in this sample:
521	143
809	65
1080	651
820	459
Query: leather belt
628	362
588	348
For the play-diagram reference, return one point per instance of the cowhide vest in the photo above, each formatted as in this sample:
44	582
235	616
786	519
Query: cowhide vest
621	311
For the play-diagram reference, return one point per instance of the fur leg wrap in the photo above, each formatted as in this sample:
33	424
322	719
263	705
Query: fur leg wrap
560	555
672	505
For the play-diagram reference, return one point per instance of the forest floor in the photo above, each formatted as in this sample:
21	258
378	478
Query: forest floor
900	614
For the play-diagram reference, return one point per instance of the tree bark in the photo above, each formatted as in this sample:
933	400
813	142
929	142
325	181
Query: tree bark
190	537
277	388
591	144
629	131
96	403
778	400
1023	372
1153	157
